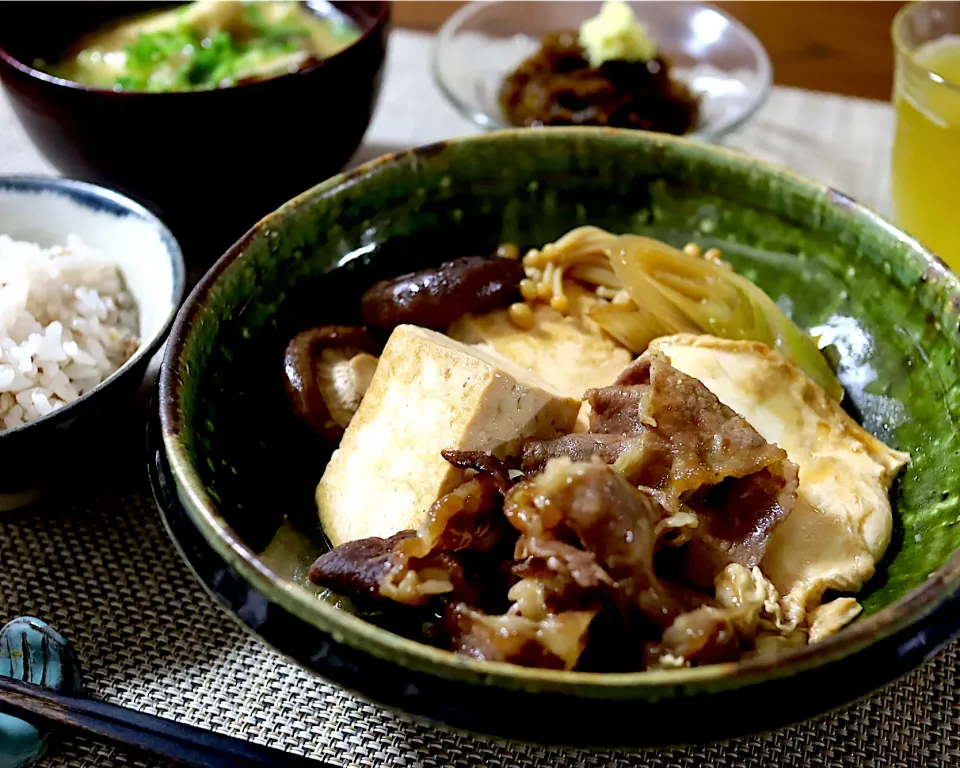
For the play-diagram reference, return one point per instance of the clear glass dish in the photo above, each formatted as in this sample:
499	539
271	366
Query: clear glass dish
714	54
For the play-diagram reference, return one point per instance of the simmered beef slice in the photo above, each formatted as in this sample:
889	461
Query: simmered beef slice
699	452
590	507
613	431
556	577
736	517
688	439
412	567
466	518
484	464
622	410
664	430
578	446
559	567
554	642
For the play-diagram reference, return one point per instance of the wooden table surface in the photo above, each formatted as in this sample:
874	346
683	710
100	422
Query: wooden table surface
841	47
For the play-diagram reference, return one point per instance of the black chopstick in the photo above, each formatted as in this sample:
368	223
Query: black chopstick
183	744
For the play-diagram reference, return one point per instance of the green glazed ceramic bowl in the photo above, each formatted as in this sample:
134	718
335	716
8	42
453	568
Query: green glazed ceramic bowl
235	474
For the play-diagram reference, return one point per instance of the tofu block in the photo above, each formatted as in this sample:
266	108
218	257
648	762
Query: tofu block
429	393
841	526
569	351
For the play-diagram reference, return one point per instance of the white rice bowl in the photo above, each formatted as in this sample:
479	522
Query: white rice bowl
67	322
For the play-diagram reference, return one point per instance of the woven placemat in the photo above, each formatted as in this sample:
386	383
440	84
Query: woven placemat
101	569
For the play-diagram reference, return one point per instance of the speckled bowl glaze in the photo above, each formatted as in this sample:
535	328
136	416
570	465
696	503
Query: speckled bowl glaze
235	474
52	452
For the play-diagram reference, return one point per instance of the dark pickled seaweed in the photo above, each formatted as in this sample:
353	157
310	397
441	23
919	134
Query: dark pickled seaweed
558	86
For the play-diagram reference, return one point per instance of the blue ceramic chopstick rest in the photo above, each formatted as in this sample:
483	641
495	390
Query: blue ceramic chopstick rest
33	652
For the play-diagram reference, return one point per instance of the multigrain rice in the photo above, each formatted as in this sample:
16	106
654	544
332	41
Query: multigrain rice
67	322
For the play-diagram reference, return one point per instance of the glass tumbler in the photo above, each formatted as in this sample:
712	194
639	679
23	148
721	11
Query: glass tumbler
925	170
